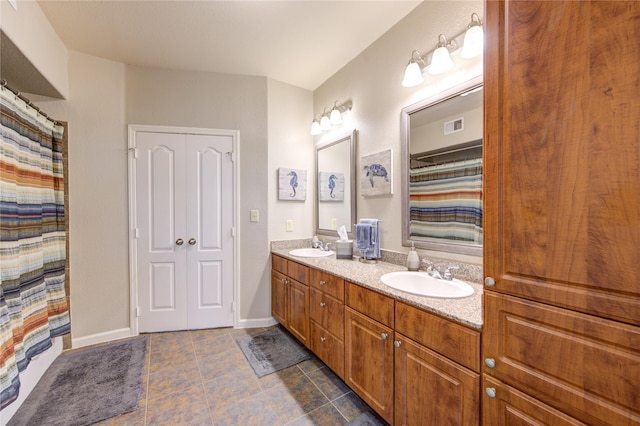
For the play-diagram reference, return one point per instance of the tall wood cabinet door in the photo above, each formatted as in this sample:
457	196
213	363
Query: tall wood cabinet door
432	390
503	405
369	362
561	166
279	297
298	314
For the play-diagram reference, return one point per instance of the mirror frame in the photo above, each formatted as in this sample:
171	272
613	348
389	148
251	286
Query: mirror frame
352	138
449	246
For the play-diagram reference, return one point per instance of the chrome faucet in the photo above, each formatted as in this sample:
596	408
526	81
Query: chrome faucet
323	246
432	271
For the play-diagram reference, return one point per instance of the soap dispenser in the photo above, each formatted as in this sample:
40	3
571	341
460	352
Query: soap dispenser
413	260
315	241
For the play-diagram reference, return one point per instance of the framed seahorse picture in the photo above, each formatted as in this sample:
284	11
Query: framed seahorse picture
376	174
292	184
331	186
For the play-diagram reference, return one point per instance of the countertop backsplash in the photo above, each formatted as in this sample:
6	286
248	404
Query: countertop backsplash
465	272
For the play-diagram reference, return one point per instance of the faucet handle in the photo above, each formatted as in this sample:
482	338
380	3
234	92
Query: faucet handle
447	272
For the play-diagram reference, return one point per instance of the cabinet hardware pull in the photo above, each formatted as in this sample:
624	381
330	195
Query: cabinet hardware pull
397	343
179	242
384	336
490	362
192	241
489	282
491	392
322	339
322	304
322	283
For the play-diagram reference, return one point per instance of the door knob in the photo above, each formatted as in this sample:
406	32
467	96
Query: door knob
179	242
322	304
192	241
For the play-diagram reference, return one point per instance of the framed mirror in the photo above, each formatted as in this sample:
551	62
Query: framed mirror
335	203
441	141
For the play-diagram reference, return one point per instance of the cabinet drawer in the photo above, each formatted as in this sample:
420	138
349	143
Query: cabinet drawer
374	305
448	338
328	283
327	312
298	272
583	365
512	407
328	348
279	263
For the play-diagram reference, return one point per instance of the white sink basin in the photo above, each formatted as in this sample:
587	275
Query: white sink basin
310	252
423	284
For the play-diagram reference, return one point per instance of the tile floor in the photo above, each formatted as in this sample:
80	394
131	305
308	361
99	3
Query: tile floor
202	378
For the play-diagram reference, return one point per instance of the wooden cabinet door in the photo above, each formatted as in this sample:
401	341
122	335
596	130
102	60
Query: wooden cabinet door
433	390
503	405
279	297
298	311
561	166
369	362
588	367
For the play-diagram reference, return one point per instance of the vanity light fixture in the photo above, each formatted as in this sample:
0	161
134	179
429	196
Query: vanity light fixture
413	72
473	38
441	57
315	126
331	117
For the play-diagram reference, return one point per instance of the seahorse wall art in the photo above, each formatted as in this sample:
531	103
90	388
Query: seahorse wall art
376	174
292	184
331	186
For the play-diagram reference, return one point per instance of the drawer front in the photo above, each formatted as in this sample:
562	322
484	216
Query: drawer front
507	406
327	312
328	348
279	264
328	283
585	366
374	305
298	272
455	341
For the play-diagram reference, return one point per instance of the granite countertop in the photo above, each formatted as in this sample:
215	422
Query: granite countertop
466	311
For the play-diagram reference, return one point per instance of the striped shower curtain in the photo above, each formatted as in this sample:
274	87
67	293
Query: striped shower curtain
445	201
33	304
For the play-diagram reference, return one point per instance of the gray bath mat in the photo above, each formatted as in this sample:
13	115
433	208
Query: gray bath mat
367	419
86	386
270	351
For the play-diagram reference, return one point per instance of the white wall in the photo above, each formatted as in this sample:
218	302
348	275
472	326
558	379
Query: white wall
372	81
219	101
290	146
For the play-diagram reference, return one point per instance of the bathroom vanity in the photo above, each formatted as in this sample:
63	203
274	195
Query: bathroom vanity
413	359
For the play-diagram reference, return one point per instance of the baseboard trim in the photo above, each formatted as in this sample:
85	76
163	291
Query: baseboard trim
256	323
106	336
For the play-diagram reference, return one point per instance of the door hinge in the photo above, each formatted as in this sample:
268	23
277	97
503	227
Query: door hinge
233	306
232	156
134	152
136	233
137	311
233	231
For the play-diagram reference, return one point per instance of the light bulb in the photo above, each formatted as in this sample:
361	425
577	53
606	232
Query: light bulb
473	42
440	62
412	75
336	117
325	124
315	128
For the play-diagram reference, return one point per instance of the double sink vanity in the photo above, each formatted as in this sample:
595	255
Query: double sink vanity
412	358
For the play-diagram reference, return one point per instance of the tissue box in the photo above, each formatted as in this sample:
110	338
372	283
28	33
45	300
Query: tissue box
344	249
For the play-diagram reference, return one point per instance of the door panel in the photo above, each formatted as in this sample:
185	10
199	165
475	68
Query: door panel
161	222
209	222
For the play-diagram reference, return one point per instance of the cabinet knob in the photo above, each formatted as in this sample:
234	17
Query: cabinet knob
192	241
322	304
384	336
489	282
179	242
397	343
322	283
491	392
490	362
322	339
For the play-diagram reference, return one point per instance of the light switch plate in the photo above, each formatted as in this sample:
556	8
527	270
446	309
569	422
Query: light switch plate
255	216
289	225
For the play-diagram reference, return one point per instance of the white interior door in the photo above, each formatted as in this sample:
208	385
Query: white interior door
184	219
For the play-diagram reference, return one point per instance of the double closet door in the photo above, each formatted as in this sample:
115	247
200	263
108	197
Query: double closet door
184	226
